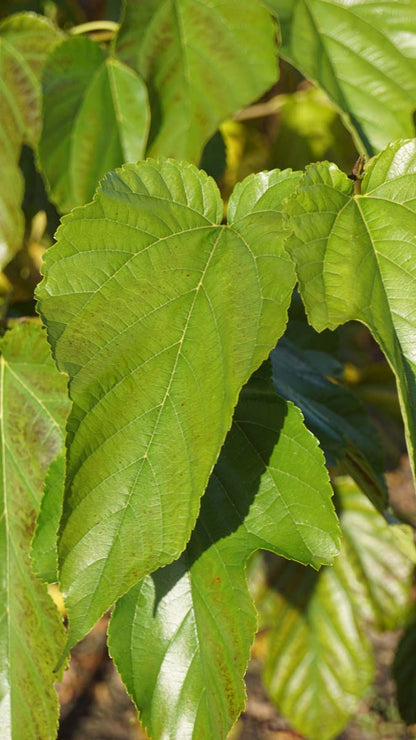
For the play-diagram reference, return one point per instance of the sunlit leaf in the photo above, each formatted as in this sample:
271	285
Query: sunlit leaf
96	117
319	659
33	406
159	314
355	258
181	638
362	53
201	64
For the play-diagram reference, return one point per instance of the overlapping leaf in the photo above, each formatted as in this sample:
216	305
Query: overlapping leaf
96	117
404	673
355	258
319	660
44	546
362	53
33	405
25	42
181	638
159	315
332	413
201	64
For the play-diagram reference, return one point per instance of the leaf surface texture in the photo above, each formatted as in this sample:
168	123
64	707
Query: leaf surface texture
159	314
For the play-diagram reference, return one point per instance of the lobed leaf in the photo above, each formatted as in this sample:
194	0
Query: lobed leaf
95	118
181	638
159	314
25	42
354	256
319	659
362	53
200	62
33	406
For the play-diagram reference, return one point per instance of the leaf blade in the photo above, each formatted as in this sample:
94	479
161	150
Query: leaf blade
190	55
33	410
363	57
375	282
151	410
100	122
187	629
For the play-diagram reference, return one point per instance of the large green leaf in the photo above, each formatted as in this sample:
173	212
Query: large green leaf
355	257
33	407
96	117
201	64
25	42
159	314
362	53
181	638
319	659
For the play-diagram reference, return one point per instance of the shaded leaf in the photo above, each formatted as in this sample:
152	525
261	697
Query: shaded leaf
25	42
319	660
33	405
362	54
404	673
354	256
181	638
332	413
96	117
159	315
200	62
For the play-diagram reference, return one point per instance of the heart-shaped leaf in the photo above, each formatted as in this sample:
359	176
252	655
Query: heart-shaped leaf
159	314
181	638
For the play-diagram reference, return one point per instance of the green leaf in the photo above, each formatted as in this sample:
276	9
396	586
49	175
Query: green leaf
181	638
25	42
200	62
362	54
33	407
353	255
96	117
44	550
332	413
404	673
159	315
319	660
